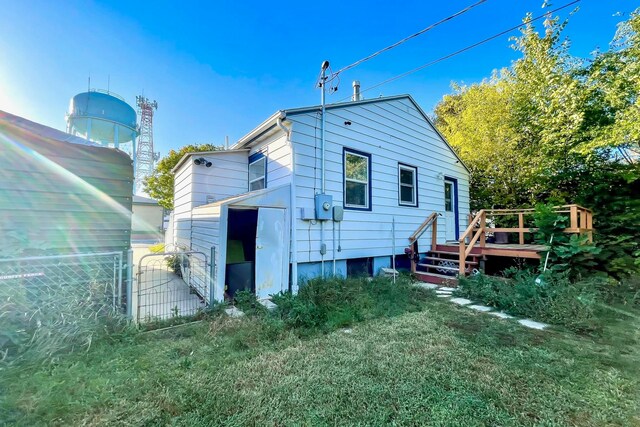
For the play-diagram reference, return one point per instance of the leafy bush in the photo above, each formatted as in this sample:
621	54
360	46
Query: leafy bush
177	263
336	302
551	297
570	253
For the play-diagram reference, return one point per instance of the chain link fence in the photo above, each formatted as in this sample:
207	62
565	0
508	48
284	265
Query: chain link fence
54	304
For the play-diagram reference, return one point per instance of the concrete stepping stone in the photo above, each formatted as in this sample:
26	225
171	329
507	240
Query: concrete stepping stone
425	285
483	308
441	292
233	312
533	324
461	301
501	315
268	304
446	288
443	295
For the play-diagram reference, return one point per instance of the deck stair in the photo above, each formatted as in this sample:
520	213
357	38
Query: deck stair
444	262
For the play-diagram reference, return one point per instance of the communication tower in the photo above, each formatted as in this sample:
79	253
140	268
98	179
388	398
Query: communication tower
145	156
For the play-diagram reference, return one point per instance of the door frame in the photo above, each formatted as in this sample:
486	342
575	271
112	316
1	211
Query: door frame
456	209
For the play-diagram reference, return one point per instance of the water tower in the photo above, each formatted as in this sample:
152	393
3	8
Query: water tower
103	117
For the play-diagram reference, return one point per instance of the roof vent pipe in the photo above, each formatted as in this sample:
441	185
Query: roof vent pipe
356	91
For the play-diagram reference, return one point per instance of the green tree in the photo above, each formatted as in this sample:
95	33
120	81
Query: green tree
556	129
160	184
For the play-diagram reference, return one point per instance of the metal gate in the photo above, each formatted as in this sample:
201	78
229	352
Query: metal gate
171	285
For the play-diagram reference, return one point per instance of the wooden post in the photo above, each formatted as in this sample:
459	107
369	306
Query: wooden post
463	258
583	219
574	217
483	227
590	226
434	234
521	226
414	251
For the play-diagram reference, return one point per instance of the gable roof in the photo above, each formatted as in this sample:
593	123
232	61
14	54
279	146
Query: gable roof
271	123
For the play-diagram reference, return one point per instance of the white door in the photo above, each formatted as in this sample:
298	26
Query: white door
271	252
450	210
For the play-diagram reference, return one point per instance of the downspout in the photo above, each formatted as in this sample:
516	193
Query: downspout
292	210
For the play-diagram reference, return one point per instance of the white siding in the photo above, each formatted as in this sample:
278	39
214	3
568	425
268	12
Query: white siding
278	154
182	205
206	234
228	176
193	184
391	131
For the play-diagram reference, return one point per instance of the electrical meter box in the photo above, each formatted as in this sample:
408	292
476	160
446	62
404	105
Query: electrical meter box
324	203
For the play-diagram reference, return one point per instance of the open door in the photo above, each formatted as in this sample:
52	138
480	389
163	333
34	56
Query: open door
271	252
451	209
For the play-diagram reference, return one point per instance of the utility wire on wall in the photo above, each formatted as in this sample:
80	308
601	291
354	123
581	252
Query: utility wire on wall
430	27
435	61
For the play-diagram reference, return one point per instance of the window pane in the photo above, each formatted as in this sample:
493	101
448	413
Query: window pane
256	169
356	194
406	176
448	196
257	185
406	194
356	167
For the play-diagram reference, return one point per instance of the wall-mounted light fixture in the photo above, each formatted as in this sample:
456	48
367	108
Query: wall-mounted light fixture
202	161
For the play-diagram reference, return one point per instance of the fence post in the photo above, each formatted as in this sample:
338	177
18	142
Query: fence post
130	283
120	256
212	271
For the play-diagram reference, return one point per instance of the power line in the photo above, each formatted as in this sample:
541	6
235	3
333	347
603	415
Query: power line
428	64
430	27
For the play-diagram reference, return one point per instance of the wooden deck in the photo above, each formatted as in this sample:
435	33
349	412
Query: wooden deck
464	255
512	250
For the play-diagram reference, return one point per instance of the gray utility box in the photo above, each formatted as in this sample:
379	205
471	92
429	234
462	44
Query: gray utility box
324	203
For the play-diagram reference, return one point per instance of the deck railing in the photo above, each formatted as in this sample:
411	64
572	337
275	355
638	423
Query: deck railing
580	221
432	220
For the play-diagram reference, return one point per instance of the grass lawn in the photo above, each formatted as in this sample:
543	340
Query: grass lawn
442	365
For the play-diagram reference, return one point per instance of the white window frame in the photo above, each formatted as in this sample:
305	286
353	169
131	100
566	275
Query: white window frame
414	185
264	172
367	183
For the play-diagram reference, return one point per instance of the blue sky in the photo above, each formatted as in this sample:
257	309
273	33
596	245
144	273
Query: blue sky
220	68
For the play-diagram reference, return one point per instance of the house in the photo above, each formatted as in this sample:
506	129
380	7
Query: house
278	207
61	194
147	220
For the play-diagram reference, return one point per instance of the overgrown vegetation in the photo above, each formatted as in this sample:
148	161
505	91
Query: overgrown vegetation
325	305
554	128
551	297
440	365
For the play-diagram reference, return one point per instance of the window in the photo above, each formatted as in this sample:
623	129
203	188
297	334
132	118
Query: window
407	185
448	196
357	180
257	172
